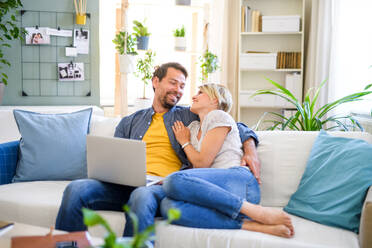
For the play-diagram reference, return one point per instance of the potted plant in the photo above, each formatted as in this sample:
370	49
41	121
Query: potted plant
145	67
9	31
183	2
140	31
125	43
179	39
209	64
307	118
139	240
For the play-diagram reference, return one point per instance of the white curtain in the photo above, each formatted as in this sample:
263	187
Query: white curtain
351	56
339	49
224	41
318	53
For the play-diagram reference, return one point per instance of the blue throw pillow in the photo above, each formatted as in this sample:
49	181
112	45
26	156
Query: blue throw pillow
334	184
8	161
53	146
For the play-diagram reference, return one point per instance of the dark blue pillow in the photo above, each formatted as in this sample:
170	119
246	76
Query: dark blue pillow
333	187
8	161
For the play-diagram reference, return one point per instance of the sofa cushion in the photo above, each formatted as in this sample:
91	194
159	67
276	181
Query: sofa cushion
53	146
8	161
283	156
308	234
333	187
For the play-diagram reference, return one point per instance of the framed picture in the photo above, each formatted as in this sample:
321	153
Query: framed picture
37	36
71	71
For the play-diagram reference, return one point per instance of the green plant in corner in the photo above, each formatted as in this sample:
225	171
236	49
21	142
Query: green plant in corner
307	118
91	218
9	31
209	64
145	67
125	43
179	32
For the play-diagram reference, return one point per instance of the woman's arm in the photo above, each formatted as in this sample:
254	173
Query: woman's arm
211	144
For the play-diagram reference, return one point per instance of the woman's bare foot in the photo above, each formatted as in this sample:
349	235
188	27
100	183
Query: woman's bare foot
277	230
265	215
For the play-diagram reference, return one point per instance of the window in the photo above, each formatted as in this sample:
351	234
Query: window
161	17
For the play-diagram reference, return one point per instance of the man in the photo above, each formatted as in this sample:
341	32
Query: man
163	156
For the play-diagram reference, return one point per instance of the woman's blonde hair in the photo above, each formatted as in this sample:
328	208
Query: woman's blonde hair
219	92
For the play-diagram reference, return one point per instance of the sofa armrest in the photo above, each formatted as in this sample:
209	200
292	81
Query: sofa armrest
365	229
8	161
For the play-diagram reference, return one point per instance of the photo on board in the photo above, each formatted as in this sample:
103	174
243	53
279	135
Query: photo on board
71	71
37	36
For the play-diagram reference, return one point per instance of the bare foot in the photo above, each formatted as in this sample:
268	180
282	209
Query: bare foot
277	230
265	215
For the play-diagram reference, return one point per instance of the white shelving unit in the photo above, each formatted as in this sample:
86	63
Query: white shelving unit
250	80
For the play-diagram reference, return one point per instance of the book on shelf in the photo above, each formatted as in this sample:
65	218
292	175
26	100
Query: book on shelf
288	60
256	21
246	15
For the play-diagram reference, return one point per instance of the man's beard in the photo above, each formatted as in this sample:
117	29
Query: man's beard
169	105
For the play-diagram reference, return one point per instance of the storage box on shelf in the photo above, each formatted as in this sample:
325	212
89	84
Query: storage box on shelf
282	31
281	23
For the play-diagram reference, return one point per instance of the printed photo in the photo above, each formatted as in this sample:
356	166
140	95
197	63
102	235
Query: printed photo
36	36
71	71
81	40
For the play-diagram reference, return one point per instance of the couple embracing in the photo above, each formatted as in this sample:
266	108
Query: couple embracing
200	150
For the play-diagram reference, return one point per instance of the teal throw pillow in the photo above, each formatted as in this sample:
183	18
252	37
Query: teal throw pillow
334	184
53	146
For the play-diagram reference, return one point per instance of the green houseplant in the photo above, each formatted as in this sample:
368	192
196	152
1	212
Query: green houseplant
9	29
209	64
125	46
142	34
307	118
179	39
139	240
145	67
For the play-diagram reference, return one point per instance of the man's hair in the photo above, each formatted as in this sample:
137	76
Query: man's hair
161	71
219	92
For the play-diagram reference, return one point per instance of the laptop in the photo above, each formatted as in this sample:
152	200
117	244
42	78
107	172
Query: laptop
119	161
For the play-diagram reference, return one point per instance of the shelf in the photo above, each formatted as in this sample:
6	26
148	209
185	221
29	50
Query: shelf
277	70
270	33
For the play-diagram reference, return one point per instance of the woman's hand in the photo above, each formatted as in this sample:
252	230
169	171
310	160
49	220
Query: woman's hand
181	132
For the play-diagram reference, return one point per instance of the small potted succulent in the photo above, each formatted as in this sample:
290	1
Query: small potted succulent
125	46
179	39
209	64
142	35
144	71
139	239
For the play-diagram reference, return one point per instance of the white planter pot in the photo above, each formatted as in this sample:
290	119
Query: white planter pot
142	103
127	63
180	43
2	89
183	2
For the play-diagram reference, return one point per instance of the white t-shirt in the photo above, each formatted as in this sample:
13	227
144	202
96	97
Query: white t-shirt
231	151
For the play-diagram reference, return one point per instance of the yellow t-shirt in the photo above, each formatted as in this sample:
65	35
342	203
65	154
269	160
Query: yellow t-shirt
161	159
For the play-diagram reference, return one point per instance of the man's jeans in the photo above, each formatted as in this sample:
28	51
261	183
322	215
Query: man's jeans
96	195
210	198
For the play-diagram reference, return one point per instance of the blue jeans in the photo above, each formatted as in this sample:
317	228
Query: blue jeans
97	195
210	198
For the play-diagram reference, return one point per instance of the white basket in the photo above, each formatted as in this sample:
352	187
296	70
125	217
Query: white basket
281	23
258	61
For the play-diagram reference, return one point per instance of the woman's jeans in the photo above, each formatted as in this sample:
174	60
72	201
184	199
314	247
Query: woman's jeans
210	198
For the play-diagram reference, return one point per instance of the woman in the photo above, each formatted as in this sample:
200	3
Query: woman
218	193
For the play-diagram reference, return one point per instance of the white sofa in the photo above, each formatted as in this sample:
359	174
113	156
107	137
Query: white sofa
283	158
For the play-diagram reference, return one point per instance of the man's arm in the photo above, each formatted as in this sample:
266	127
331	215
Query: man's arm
250	158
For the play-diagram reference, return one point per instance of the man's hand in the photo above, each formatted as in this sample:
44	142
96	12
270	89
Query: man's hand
250	158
